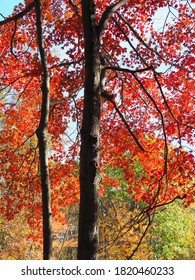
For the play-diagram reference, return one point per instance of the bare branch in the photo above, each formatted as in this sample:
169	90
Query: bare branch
67	63
162	122
75	9
12	39
111	99
26	140
167	105
140	240
60	101
19	15
107	15
126	227
114	68
2	16
128	41
128	128
146	45
150	208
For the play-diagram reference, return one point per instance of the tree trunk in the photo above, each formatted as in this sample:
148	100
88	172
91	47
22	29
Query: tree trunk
41	133
90	176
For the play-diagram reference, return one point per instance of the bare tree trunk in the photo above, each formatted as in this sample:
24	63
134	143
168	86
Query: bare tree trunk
41	133
90	176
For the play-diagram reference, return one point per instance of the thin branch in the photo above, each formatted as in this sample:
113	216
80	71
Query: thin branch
14	81
166	203
12	39
162	121
60	101
114	68
107	15
146	45
29	137
19	15
67	63
111	99
77	114
13	104
137	219
128	41
167	105
75	9
140	240
2	16
27	156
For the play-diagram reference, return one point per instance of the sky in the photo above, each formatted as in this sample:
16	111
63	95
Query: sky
6	6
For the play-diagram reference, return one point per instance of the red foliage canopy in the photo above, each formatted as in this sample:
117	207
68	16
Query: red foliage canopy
148	48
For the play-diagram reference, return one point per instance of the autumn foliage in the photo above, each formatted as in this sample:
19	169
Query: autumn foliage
146	129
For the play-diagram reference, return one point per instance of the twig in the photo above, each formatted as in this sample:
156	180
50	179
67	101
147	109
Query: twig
12	39
140	241
67	63
19	15
107	15
129	42
127	126
146	45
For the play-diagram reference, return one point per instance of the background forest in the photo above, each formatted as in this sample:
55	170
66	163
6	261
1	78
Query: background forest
97	127
171	236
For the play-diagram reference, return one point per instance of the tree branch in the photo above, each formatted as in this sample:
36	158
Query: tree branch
12	40
162	122
143	235
146	45
152	207
111	99
107	15
128	41
114	68
60	101
67	63
19	15
75	9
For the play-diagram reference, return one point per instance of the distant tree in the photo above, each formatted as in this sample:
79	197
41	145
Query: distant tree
173	233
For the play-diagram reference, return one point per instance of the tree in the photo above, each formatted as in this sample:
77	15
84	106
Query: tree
13	236
137	108
122	222
42	137
172	234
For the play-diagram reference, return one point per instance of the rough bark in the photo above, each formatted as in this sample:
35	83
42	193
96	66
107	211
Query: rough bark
41	133
89	155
